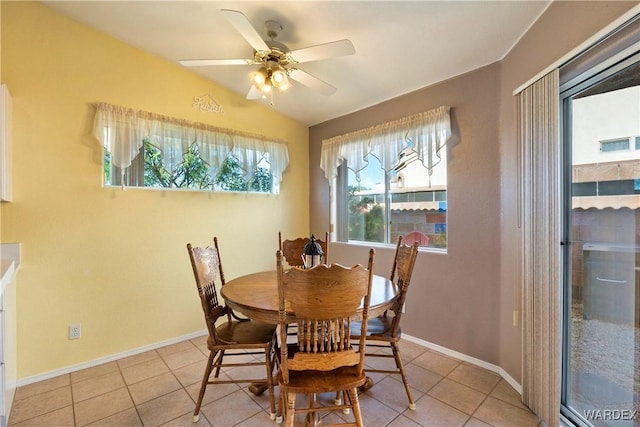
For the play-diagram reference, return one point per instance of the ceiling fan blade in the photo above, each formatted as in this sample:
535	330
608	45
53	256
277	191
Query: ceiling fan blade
254	93
323	51
312	82
207	62
241	23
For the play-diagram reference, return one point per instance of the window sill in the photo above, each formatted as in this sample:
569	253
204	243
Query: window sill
389	246
185	190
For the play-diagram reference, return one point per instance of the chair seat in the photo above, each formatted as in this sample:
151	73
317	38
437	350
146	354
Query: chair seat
244	334
343	378
377	328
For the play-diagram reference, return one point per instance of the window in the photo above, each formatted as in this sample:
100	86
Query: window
192	173
390	180
148	150
415	203
614	145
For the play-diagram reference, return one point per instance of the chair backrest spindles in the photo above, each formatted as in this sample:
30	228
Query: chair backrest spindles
323	300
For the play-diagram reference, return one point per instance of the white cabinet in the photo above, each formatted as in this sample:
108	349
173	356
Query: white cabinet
9	263
6	194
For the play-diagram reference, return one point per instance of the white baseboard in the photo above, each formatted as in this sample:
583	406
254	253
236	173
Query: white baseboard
111	358
51	374
480	363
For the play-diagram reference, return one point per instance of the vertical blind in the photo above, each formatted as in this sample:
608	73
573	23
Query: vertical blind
538	119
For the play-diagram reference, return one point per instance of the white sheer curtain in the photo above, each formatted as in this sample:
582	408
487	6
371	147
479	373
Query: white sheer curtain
172	139
121	131
538	118
426	133
214	149
251	151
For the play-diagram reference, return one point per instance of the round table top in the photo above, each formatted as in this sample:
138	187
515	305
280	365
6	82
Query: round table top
256	295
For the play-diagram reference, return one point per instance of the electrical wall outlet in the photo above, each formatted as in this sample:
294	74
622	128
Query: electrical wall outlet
75	331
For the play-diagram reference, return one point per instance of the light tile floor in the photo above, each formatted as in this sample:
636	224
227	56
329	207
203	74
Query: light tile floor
159	388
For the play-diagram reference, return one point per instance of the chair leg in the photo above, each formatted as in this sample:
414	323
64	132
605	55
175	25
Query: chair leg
203	387
345	396
338	398
313	417
219	363
400	366
269	363
355	404
290	409
341	397
281	404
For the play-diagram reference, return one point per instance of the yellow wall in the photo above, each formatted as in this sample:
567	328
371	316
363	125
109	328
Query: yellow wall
115	260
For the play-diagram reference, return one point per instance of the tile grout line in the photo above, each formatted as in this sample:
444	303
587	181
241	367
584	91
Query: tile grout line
135	407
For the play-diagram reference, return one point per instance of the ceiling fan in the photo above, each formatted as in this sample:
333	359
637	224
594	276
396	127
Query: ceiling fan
276	62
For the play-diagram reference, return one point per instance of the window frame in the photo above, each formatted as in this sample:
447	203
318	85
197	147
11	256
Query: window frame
614	143
340	211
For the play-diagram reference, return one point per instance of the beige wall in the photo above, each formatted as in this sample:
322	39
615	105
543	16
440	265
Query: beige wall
465	300
115	260
449	305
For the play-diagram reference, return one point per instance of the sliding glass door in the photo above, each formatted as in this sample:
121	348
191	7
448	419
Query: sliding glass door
601	339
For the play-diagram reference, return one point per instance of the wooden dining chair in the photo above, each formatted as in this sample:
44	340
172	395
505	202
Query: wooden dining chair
292	249
322	302
384	332
231	338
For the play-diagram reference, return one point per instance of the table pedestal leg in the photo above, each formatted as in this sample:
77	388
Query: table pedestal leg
366	386
258	388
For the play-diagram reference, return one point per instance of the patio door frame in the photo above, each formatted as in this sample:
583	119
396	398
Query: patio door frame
608	66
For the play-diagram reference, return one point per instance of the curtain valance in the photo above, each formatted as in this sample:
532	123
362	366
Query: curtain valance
426	133
122	132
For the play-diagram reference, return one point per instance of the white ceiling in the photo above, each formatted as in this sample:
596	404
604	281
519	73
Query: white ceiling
401	46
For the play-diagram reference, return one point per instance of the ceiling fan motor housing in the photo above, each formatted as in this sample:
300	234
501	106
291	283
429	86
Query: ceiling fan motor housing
277	56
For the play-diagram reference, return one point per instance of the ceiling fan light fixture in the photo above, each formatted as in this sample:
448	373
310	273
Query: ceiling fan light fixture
280	80
278	75
259	77
284	85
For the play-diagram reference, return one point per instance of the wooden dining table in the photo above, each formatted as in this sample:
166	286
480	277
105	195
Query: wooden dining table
256	296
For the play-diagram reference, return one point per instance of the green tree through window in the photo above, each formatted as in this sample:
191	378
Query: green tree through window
366	217
231	176
193	172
